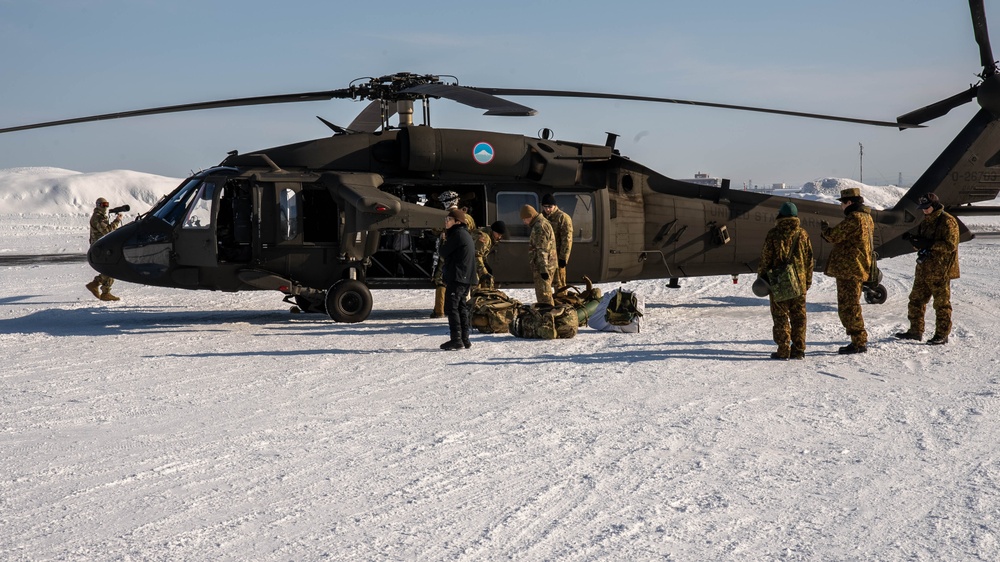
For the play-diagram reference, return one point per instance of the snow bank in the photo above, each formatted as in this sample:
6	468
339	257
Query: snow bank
59	192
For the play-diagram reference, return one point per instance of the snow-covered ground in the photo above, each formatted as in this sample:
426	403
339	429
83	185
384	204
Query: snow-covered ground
179	425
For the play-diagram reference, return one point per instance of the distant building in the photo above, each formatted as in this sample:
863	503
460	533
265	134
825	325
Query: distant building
704	179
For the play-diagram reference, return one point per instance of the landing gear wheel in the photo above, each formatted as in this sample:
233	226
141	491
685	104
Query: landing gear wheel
348	300
876	295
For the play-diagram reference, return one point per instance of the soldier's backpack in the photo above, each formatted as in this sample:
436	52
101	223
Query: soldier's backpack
545	322
619	311
585	302
492	311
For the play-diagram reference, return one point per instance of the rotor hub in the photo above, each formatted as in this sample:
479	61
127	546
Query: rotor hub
988	94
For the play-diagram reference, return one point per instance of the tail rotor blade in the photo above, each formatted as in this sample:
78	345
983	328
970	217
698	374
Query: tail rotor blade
935	110
982	37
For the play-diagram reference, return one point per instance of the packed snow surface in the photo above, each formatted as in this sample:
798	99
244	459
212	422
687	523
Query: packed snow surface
187	425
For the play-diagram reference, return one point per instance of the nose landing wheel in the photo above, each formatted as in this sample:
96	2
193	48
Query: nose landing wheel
349	300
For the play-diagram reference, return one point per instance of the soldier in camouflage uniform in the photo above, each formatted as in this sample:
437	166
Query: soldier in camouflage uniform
541	253
562	227
789	316
99	226
449	200
849	262
936	242
485	239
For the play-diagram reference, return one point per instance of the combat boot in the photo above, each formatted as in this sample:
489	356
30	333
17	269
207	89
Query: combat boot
907	335
937	340
107	296
452	345
465	340
92	287
851	349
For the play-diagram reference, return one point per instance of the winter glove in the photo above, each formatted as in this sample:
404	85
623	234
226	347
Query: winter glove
544	276
562	263
824	226
923	255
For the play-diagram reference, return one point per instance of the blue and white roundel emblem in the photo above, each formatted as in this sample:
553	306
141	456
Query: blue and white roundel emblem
483	153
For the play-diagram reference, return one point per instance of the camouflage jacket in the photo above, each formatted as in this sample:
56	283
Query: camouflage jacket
99	225
778	246
484	245
941	261
562	227
851	257
542	246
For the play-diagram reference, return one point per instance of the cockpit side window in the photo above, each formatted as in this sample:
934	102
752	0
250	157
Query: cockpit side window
200	213
172	210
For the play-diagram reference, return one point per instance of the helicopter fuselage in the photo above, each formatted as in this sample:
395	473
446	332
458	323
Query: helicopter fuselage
299	218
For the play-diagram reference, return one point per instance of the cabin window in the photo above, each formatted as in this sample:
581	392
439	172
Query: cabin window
580	208
200	213
509	211
288	220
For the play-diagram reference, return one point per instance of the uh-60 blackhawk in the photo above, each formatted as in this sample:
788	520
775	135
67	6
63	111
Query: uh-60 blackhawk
325	220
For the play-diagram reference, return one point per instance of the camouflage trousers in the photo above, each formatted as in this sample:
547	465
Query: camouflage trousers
923	290
559	279
789	325
849	309
543	289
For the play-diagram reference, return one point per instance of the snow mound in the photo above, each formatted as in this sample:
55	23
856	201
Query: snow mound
877	197
59	192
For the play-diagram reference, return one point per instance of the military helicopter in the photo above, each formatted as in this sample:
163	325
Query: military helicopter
324	221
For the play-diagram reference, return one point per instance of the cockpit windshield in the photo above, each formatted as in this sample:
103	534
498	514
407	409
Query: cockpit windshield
172	210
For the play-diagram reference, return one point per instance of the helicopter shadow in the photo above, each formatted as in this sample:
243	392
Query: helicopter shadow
388	322
102	321
731	302
283	353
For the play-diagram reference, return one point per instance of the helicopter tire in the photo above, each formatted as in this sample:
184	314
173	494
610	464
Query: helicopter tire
876	295
349	301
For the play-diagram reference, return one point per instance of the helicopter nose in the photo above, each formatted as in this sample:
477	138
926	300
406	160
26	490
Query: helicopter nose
105	255
128	254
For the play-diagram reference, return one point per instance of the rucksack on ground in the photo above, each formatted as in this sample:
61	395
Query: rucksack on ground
585	302
619	311
545	322
492	311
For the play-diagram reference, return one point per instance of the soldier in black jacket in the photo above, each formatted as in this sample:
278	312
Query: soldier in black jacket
459	254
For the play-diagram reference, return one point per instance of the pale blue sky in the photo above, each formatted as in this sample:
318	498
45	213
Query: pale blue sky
875	59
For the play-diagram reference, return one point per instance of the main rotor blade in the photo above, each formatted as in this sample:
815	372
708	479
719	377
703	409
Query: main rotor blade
238	102
474	97
935	110
370	118
573	94
982	37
